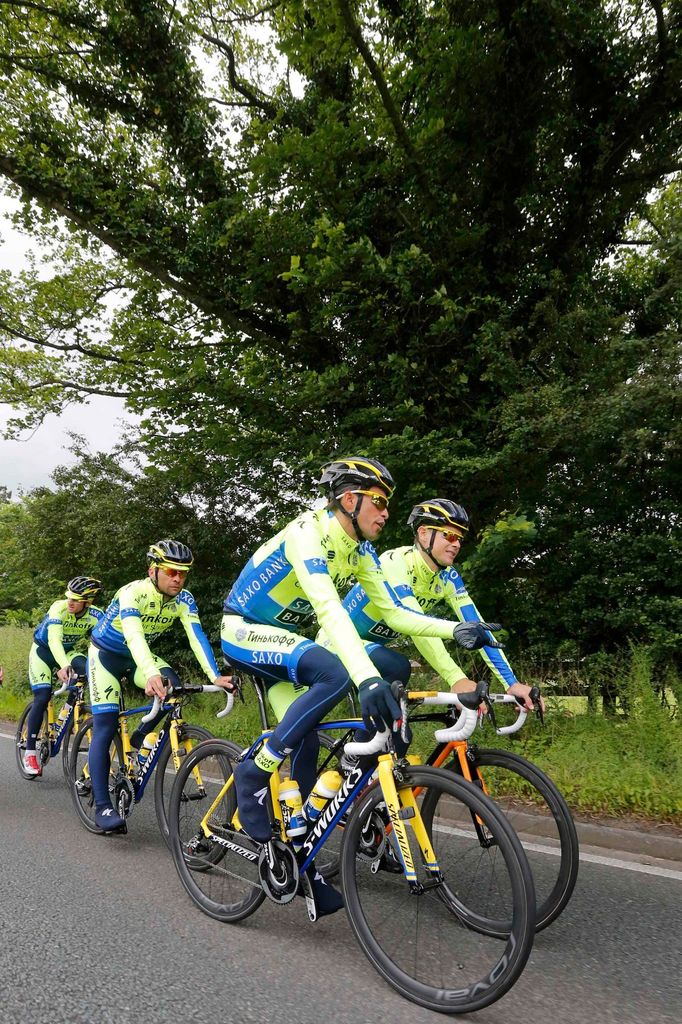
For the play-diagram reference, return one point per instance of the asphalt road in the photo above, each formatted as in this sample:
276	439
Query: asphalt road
98	930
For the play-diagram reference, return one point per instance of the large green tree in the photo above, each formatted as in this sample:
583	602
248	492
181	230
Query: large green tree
381	225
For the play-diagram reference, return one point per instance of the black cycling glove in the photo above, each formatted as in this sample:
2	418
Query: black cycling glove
474	635
378	706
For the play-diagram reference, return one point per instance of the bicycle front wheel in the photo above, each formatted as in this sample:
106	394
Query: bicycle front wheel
217	865
419	937
42	739
80	783
539	815
189	736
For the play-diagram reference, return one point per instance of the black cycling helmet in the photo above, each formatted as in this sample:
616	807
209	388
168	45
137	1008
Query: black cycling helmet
170	554
348	474
355	471
439	512
83	588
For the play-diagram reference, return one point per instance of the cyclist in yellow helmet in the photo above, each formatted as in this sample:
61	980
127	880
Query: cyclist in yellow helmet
139	614
70	619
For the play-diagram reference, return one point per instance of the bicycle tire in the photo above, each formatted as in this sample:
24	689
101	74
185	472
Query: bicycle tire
427	953
164	778
20	740
83	797
549	826
66	742
222	884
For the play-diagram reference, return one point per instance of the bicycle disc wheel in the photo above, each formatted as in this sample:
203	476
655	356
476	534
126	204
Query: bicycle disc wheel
539	815
418	939
219	871
189	737
20	739
80	784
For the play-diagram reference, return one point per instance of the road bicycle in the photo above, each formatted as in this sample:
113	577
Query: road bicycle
530	800
61	721
131	769
426	928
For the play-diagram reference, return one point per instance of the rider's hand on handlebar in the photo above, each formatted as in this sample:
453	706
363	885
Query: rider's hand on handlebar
474	635
521	692
225	682
156	687
64	674
378	706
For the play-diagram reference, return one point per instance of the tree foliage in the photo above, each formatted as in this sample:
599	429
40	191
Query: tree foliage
444	232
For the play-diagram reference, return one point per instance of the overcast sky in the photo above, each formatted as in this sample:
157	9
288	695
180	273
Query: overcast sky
28	463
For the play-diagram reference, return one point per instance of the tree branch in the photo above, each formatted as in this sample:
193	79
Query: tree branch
382	86
237	84
57	200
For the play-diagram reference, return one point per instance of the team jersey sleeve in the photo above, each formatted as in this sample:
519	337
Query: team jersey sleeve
396	614
198	641
305	553
457	597
96	614
133	631
55	634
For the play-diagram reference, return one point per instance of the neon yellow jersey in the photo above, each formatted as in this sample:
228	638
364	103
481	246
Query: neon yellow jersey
298	574
139	614
419	587
60	630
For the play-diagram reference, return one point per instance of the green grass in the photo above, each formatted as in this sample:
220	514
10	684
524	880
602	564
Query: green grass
612	766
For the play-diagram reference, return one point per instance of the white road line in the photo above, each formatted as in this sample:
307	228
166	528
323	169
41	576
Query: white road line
590	858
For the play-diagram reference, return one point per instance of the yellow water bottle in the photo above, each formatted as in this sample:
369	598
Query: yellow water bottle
292	810
146	748
325	788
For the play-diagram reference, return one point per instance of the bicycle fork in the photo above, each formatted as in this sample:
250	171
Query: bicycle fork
402	806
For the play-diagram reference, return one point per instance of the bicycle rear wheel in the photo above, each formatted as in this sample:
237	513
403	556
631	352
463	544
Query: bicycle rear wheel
189	736
42	741
539	815
218	870
421	940
80	785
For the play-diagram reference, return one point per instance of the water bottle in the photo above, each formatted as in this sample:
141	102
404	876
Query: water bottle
326	787
63	713
292	811
147	744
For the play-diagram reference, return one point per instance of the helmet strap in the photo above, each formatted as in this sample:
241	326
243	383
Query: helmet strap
353	516
428	551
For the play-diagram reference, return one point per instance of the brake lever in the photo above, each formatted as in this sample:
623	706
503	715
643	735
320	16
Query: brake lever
491	711
537	703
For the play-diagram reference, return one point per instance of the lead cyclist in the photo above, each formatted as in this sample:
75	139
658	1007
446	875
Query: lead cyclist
295	576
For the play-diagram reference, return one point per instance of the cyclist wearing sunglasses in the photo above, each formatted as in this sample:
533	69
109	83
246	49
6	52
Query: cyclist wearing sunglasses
120	646
295	576
423	577
68	621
